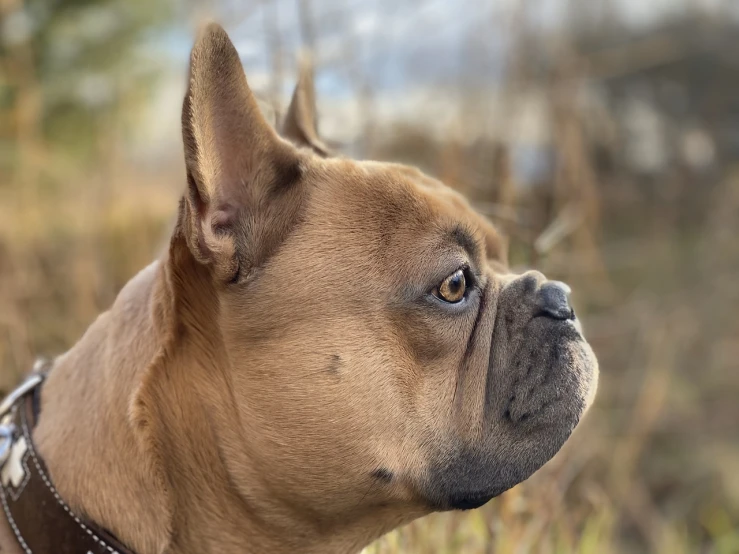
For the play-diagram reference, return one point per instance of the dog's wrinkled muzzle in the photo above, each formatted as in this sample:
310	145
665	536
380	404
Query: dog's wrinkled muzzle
540	380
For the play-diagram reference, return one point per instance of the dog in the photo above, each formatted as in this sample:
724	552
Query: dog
327	350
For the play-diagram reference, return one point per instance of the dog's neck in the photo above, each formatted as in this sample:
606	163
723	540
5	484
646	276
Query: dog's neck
83	430
130	445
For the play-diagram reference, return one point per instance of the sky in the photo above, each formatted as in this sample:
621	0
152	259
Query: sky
410	53
396	43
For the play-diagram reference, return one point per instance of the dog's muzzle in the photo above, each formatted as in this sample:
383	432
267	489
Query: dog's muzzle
540	380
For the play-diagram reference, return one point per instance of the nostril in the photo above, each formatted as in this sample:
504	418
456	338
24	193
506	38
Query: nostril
553	300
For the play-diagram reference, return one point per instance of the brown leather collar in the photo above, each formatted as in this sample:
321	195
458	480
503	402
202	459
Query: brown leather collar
39	518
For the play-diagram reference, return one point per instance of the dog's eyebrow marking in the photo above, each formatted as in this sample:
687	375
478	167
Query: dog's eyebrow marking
465	240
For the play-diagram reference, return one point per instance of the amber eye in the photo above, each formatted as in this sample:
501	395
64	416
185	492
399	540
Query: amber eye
452	288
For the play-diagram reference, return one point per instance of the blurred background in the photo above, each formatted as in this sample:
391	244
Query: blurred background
601	136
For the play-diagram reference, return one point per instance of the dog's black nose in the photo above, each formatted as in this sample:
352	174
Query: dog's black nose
553	300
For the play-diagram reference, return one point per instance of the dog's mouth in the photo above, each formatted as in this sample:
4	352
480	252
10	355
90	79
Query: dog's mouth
536	399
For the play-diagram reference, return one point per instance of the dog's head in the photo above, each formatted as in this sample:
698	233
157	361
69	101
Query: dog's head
378	354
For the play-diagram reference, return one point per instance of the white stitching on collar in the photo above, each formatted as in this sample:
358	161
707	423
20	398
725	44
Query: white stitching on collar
11	521
61	502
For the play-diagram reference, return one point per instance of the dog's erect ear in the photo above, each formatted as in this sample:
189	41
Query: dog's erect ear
300	124
237	166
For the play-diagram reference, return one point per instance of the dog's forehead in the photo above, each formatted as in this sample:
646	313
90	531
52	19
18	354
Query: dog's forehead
399	203
384	194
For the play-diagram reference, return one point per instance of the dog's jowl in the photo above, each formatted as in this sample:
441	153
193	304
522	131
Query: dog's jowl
327	350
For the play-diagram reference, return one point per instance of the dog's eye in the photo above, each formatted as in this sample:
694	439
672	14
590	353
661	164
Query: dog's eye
453	288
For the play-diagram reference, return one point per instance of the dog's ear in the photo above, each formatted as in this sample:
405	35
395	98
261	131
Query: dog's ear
300	124
238	169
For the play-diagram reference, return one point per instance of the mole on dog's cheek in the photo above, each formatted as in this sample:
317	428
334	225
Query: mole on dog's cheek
335	365
382	474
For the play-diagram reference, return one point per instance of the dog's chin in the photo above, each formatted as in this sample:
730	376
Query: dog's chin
473	476
444	495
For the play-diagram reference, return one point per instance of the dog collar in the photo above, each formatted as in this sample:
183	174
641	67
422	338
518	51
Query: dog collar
39	518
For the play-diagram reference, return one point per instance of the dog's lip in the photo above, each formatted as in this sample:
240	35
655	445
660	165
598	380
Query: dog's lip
471	501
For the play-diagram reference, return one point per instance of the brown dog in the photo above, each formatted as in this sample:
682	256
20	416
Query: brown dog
328	350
